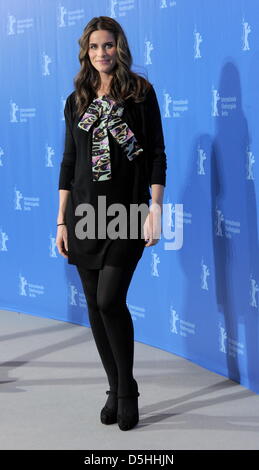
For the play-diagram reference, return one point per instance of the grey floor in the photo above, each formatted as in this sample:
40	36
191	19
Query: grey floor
53	387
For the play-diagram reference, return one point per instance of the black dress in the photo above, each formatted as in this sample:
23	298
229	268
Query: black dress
128	185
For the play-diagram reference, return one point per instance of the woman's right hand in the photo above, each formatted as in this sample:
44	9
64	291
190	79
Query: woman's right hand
61	240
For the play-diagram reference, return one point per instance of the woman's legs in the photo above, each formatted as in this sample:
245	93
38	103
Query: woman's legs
89	279
105	291
112	291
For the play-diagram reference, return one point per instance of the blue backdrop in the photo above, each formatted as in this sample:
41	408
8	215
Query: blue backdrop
199	301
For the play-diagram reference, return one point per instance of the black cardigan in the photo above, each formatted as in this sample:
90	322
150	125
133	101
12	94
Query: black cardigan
144	119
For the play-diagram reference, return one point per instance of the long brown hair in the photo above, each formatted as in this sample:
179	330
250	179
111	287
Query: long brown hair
125	84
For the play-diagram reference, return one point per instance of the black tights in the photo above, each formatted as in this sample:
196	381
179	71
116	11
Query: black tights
112	327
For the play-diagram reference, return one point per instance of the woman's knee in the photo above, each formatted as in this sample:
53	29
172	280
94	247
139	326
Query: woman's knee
112	289
107	306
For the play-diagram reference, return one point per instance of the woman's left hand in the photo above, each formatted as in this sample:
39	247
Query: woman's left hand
152	225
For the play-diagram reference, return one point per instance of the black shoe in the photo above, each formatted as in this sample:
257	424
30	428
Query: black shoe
109	412
128	413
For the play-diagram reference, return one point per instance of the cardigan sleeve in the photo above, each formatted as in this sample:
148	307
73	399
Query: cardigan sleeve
155	140
67	165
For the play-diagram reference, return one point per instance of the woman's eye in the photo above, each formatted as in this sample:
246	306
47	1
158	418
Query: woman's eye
107	45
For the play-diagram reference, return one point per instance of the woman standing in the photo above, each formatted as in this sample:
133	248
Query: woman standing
114	151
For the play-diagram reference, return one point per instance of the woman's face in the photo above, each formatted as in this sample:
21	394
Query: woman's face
102	50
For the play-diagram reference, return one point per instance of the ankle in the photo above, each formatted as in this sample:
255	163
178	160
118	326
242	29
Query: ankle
129	390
